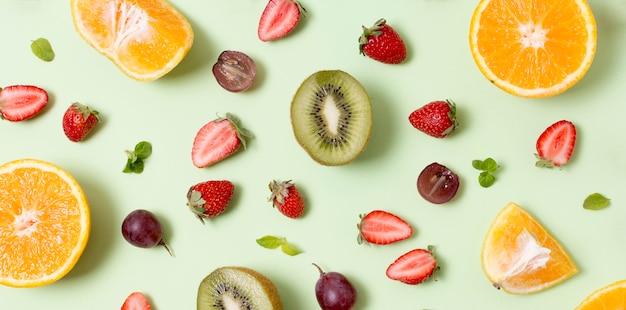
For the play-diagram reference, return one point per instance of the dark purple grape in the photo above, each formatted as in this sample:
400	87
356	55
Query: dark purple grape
334	291
234	71
437	184
142	229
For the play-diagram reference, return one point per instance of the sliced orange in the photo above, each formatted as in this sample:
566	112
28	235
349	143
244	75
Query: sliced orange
520	256
145	38
612	296
44	223
533	48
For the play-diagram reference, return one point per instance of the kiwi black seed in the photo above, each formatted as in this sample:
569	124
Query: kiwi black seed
331	116
233	287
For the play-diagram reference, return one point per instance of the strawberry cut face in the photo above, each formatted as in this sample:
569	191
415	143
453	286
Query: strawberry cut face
556	144
217	140
381	227
413	267
279	18
21	102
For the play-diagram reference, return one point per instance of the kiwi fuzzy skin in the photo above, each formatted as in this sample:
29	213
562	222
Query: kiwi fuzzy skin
360	120
269	289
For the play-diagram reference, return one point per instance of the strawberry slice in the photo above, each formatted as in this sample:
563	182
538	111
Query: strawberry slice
279	18
382	227
21	102
136	301
217	140
413	267
556	144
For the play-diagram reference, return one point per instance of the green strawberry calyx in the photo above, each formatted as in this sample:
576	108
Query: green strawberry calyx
369	32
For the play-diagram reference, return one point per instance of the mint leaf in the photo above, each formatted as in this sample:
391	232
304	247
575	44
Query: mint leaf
289	249
135	161
143	150
487	168
270	242
490	165
486	179
477	164
42	49
596	201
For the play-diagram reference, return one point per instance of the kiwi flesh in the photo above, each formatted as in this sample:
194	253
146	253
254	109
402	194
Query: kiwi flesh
237	288
331	116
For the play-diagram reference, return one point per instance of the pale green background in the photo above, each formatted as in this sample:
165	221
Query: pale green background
169	111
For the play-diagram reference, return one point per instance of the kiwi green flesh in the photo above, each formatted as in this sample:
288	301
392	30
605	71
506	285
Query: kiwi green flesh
331	116
237	288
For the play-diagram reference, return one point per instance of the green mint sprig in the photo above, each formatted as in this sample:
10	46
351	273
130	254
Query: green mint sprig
136	158
42	49
273	242
487	167
596	201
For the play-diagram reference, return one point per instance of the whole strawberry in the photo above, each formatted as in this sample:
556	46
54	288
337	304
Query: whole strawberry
437	118
286	197
209	199
78	121
382	43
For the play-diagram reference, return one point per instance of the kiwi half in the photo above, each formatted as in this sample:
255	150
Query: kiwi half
331	116
238	288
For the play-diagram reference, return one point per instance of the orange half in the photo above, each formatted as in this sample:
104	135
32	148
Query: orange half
44	223
520	256
145	38
612	296
533	48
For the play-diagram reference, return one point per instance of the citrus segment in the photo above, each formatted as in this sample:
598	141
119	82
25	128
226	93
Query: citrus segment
533	48
612	296
520	256
44	223
145	38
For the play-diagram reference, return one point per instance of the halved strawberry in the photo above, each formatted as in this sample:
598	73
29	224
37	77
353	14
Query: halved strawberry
217	140
556	144
413	267
21	102
136	301
279	18
382	227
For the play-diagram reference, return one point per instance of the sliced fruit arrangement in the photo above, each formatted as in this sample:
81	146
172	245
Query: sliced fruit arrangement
382	43
612	296
143	229
556	144
331	116
279	18
413	267
437	183
42	204
136	301
382	227
210	198
234	71
286	198
236	287
520	256
436	118
334	291
514	44
217	140
21	102
146	39
78	121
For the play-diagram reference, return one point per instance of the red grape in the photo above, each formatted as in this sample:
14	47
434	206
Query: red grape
437	184
234	71
142	229
334	291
